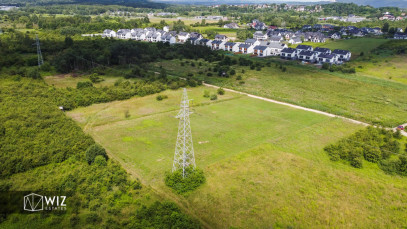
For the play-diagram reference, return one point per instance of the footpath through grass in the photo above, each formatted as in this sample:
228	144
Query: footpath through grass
356	96
264	163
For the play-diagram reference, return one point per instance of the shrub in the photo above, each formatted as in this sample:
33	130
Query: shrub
100	160
85	84
239	77
214	97
127	114
209	74
258	68
325	66
161	97
182	185
95	78
206	94
241	82
46	67
33	73
221	91
93	151
232	72
372	144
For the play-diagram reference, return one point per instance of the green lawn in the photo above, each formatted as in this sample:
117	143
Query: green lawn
264	162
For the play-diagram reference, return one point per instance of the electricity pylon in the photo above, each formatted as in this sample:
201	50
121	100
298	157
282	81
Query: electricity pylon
184	148
40	60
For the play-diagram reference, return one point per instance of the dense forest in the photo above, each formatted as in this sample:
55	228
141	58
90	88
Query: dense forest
41	150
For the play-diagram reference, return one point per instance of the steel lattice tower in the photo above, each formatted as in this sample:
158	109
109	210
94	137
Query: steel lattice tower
184	149
40	60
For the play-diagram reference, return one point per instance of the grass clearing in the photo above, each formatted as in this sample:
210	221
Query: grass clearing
67	80
355	96
263	162
392	68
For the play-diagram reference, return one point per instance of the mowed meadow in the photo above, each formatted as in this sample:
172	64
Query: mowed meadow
264	163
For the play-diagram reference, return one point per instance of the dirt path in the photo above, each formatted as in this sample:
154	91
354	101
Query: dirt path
301	108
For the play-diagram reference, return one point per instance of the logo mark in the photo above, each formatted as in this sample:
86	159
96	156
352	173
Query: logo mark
33	202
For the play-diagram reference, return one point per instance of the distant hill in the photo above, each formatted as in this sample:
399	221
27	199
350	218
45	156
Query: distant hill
130	3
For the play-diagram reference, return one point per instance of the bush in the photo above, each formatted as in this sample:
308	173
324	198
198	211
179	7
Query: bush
33	73
221	91
325	66
161	97
95	78
206	94
214	97
209	74
182	185
239	77
93	151
232	72
46	67
100	160
372	144
127	114
85	84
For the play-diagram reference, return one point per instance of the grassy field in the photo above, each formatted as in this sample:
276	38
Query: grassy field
356	46
264	163
352	95
392	68
187	21
67	80
231	33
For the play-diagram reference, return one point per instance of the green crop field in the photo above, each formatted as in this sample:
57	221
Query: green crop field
353	95
264	162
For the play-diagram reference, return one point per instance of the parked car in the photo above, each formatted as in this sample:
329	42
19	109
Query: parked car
400	127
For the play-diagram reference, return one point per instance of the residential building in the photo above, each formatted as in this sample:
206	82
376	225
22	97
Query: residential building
308	56
262	51
289	54
343	55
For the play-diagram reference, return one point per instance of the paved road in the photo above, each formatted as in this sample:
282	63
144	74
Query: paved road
301	108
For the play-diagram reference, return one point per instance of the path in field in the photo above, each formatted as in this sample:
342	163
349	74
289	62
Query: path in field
300	107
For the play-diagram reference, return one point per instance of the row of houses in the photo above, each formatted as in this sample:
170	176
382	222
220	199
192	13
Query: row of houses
318	55
250	46
152	35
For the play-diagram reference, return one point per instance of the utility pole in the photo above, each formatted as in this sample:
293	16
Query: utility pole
40	60
184	149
